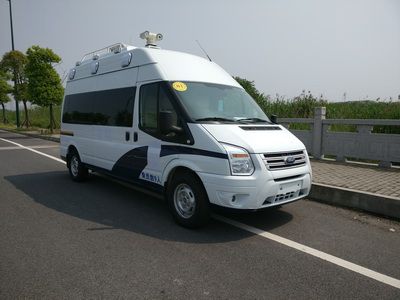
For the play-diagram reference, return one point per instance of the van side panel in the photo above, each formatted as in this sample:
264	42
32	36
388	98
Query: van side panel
149	72
100	145
110	141
207	155
119	79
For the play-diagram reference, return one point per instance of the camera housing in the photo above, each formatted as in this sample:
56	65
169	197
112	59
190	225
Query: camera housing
151	38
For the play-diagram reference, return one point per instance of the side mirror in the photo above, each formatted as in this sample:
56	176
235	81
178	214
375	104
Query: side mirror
166	123
274	119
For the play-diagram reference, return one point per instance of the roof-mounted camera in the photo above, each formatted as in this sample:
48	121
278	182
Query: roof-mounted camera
151	38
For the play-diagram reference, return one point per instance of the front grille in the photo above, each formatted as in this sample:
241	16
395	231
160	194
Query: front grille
284	160
282	197
287	196
287	178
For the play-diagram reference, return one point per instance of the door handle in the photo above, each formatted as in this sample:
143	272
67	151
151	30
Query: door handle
127	136
135	136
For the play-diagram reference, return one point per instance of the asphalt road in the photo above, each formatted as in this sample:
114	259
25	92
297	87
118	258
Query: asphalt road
100	239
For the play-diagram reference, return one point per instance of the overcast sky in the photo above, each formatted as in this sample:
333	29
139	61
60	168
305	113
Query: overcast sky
285	46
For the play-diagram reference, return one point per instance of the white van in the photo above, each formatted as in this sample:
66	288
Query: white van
179	125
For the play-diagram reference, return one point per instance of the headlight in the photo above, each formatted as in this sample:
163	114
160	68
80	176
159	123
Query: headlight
239	160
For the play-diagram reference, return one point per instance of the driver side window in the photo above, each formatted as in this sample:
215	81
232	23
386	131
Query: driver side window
148	106
154	98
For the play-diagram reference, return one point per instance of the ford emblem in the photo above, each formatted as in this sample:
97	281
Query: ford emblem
290	160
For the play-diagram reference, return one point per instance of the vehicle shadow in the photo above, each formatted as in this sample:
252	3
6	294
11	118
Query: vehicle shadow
111	206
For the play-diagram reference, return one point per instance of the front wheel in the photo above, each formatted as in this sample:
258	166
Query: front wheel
187	200
77	170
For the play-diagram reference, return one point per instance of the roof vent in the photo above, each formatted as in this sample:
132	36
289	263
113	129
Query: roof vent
255	128
151	38
115	48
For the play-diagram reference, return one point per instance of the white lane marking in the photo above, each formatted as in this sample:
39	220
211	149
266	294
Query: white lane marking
289	243
33	150
314	252
32	147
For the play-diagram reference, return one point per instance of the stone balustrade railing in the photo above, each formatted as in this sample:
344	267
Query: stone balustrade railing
363	144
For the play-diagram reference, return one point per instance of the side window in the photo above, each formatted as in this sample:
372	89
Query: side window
114	107
155	98
124	116
108	107
78	109
166	105
148	106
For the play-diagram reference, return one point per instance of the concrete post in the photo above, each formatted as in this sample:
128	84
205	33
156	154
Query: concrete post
319	115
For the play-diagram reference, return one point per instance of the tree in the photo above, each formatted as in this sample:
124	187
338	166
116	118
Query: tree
44	83
5	89
251	89
14	63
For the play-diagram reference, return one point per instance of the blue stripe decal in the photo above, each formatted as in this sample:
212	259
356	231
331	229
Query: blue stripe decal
172	149
131	164
138	182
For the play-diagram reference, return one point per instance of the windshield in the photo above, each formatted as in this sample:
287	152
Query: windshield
218	103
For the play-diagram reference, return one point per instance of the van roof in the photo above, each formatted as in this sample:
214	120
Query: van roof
170	65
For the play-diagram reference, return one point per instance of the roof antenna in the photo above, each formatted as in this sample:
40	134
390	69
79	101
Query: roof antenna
203	50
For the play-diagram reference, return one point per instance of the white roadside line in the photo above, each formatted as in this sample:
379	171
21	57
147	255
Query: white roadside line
33	150
314	252
32	147
276	238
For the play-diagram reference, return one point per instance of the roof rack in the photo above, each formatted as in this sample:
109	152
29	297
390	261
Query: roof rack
114	48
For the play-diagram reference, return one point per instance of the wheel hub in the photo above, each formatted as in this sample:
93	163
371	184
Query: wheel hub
74	166
184	200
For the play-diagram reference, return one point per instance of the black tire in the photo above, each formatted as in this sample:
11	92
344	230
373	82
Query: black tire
186	187
77	170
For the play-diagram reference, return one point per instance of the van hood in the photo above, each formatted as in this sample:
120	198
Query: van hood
256	138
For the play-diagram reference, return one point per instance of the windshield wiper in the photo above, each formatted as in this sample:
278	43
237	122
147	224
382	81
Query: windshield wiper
217	119
253	120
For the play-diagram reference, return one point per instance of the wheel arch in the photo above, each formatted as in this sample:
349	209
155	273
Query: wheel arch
200	211
176	166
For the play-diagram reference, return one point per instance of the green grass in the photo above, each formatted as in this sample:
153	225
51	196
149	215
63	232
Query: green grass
299	107
39	116
303	107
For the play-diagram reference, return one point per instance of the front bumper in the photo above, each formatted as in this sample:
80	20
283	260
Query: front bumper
257	191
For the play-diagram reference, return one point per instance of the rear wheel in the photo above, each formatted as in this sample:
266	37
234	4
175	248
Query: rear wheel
77	170
187	200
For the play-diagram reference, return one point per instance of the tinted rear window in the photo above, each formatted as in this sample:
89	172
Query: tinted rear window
109	107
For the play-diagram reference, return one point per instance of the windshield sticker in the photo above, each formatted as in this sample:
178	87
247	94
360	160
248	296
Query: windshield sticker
220	105
179	86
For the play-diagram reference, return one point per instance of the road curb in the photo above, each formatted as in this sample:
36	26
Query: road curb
373	203
34	135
